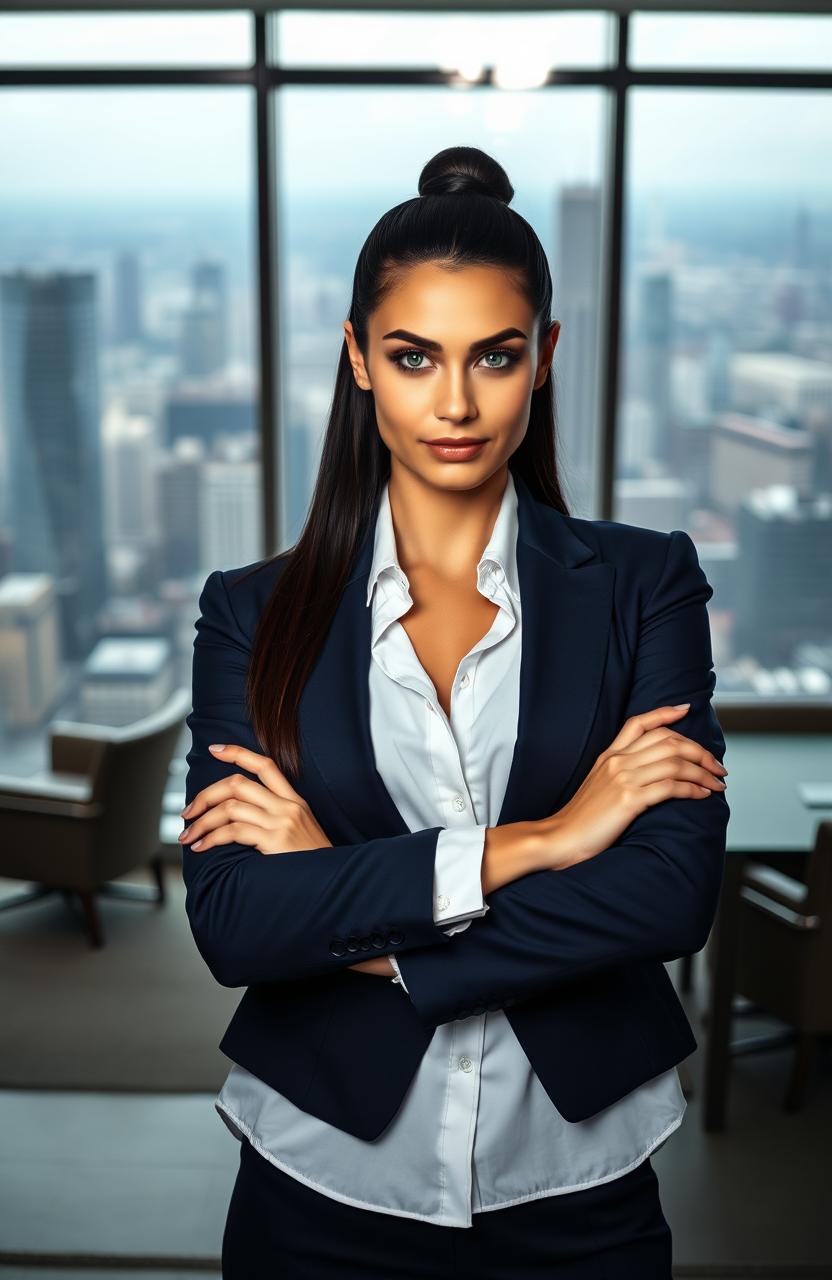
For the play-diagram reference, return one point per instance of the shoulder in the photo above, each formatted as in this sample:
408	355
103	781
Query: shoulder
259	575
643	558
616	542
242	592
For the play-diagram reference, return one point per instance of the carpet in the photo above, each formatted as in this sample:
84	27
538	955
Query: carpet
140	1013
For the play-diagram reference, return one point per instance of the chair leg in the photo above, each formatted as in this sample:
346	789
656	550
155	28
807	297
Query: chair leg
804	1052
91	917
716	1073
158	868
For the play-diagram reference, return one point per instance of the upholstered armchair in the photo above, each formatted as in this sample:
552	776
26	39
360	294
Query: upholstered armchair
94	815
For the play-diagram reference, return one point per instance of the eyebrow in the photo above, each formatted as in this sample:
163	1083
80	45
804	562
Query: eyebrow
436	346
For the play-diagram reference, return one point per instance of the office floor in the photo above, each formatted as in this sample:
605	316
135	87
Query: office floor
117	1185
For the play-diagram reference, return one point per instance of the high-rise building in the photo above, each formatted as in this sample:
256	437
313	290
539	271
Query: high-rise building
656	342
230	512
50	389
576	305
127	299
31	680
204	339
782	598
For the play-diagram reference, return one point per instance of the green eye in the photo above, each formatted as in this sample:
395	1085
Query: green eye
511	358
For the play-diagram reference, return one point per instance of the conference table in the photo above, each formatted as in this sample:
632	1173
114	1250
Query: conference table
770	815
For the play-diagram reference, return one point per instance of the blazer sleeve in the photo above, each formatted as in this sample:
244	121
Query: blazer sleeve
280	917
650	896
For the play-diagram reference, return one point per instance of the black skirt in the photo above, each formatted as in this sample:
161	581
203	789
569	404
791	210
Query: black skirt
278	1228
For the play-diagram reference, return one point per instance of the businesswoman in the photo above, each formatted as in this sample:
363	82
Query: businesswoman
455	795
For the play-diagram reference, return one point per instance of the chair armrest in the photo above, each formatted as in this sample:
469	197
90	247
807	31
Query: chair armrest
774	884
75	752
61	794
783	914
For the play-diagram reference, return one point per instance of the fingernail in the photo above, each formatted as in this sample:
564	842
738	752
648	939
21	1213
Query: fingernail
677	706
196	844
217	746
184	812
184	834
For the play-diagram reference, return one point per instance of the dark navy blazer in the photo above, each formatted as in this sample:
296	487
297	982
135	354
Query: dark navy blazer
614	623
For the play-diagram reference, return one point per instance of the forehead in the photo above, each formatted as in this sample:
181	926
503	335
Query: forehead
439	302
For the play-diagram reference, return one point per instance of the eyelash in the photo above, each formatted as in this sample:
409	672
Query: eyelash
514	356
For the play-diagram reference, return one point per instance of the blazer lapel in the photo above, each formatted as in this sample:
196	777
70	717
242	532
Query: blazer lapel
566	599
566	596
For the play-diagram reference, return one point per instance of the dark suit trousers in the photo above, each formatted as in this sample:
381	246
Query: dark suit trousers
278	1228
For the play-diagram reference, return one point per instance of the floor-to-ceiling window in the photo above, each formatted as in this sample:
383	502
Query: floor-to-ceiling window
129	372
184	197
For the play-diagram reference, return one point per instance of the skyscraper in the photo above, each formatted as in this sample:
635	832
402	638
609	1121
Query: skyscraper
576	305
50	388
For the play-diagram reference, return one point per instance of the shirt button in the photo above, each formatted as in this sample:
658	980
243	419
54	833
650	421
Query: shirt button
443	901
466	1064
458	803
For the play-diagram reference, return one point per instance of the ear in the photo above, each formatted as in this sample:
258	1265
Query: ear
546	353
356	358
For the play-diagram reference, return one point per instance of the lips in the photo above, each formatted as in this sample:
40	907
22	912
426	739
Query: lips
457	450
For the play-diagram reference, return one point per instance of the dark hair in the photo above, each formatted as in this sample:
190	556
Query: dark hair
460	218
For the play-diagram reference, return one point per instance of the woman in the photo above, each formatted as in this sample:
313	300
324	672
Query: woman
448	689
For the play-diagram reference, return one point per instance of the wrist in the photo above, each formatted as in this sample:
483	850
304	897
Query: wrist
510	851
556	844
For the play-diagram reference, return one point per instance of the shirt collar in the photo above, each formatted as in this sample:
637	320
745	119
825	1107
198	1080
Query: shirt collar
499	556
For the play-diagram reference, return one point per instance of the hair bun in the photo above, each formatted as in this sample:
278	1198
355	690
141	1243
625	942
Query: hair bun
465	171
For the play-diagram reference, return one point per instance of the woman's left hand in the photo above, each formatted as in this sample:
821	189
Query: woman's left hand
269	814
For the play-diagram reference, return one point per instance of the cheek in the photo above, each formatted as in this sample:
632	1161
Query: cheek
401	403
510	401
392	386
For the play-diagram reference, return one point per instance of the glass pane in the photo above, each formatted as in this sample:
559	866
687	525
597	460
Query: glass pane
126	39
725	419
128	395
318	253
770	41
521	45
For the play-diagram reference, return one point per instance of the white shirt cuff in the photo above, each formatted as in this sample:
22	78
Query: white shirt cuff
457	877
457	882
398	978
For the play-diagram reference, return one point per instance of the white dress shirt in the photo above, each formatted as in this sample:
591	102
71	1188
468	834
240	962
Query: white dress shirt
476	1130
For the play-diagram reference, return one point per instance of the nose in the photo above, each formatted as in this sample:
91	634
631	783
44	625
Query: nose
454	401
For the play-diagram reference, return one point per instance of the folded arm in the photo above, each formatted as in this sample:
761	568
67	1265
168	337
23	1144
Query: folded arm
651	895
285	916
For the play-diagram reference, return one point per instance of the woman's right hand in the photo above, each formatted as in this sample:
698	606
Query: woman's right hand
646	762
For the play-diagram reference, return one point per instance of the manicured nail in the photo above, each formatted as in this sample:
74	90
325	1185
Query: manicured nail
677	706
196	844
217	746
